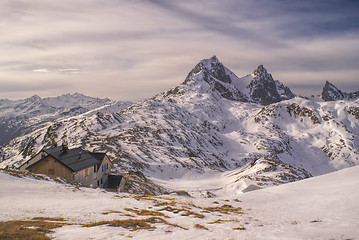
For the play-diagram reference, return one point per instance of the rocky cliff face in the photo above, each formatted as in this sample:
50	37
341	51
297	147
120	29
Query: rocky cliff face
258	87
332	93
264	90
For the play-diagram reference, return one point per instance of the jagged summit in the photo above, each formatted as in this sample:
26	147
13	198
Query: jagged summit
34	97
212	67
258	87
265	90
332	93
260	71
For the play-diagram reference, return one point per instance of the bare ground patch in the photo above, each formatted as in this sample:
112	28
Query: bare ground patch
37	228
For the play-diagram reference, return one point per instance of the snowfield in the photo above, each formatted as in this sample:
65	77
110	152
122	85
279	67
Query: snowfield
322	207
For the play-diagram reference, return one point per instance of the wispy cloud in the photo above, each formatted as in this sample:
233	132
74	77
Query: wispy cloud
66	70
134	49
43	70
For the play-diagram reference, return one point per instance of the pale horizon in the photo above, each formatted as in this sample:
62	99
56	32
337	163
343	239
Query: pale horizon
133	50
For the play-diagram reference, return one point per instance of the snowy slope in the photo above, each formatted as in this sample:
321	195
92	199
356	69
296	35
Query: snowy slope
24	116
323	207
76	99
210	123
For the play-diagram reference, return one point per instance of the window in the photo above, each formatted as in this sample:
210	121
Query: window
102	168
94	168
98	183
101	180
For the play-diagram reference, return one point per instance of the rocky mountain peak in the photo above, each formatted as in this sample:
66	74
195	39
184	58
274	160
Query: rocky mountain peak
258	87
261	74
265	90
332	93
215	68
260	71
211	76
212	67
33	98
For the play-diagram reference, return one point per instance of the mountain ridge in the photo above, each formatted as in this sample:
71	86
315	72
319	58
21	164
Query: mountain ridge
332	93
211	123
258	87
19	117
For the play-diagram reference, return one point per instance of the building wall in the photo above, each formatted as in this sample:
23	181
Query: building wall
103	172
95	176
121	187
49	166
86	177
33	160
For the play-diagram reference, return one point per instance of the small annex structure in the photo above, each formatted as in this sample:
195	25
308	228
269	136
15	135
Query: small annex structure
75	165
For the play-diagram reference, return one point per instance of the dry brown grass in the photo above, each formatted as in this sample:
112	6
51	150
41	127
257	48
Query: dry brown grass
144	212
185	212
159	201
199	226
225	209
239	228
21	174
217	221
316	221
222	220
135	224
30	229
111	211
56	219
132	224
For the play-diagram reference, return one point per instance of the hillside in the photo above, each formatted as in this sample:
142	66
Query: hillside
214	122
323	207
21	117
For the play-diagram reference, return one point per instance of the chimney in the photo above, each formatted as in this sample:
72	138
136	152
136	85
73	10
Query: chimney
64	148
79	155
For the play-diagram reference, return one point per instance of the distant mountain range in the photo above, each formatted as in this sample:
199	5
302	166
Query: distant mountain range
24	116
252	129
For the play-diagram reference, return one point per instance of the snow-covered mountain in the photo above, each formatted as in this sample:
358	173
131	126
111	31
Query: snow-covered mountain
258	87
332	93
214	122
24	116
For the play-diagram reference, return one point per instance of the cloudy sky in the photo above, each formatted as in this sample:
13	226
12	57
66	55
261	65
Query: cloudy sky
131	50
